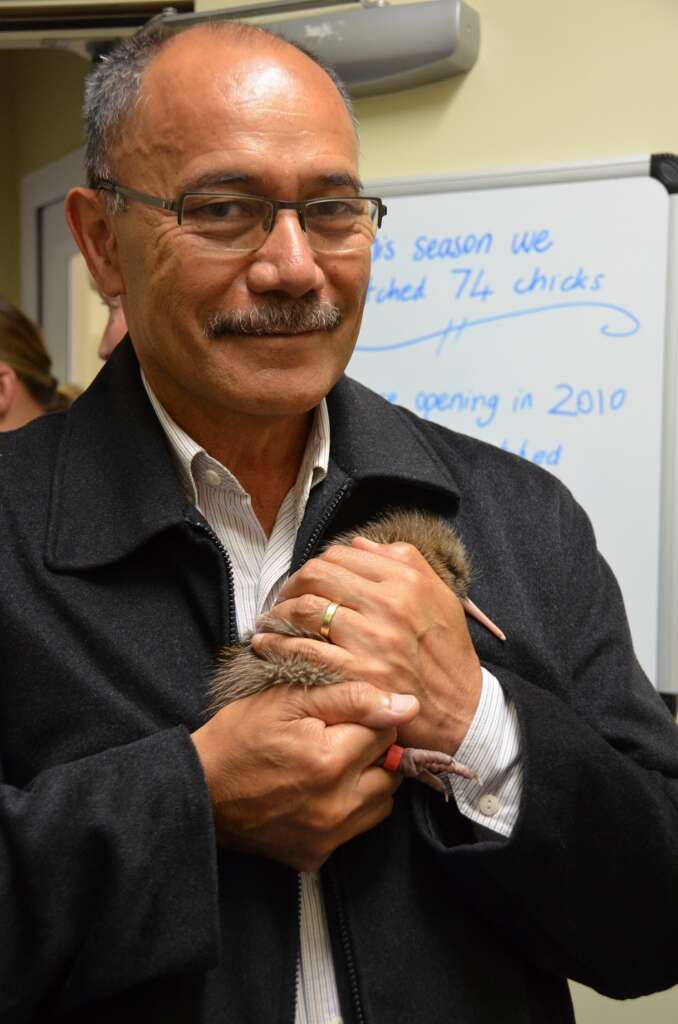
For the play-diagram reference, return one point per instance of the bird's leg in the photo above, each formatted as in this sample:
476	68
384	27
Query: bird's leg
429	766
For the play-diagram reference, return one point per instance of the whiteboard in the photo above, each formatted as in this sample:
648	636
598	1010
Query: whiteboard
534	317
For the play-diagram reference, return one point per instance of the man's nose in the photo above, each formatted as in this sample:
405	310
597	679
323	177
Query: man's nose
286	262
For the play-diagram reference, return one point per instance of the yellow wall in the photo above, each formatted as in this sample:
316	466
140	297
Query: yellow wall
555	82
47	94
9	240
39	122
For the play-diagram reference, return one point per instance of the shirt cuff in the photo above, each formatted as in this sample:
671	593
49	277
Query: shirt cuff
491	748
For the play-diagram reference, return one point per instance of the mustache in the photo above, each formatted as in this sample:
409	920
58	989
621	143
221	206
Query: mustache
283	316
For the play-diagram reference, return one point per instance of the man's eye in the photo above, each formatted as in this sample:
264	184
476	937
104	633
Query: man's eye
336	208
222	210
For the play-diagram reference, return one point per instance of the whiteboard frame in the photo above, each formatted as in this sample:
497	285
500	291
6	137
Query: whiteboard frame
623	167
667	649
556	174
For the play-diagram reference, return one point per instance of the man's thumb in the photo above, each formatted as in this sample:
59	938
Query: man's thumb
361	703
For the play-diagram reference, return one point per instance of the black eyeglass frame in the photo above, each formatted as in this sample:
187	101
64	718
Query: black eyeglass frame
177	205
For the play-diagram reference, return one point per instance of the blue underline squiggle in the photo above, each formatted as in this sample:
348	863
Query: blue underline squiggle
456	330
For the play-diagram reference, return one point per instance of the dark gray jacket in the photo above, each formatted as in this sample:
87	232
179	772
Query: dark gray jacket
115	903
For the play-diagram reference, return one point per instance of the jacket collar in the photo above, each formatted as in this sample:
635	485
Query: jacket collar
115	485
374	440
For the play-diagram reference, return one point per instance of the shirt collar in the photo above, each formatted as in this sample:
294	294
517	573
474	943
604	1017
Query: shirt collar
189	457
115	485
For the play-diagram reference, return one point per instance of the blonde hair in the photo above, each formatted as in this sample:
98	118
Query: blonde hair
22	347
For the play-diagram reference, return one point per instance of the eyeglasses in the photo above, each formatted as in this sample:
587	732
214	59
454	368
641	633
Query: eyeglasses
240	223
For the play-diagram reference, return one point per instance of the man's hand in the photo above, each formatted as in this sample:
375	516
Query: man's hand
291	773
399	627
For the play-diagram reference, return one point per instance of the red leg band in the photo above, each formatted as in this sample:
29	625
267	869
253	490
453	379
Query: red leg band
393	757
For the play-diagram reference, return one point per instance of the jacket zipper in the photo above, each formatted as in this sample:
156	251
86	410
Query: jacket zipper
341	917
297	972
233	638
206	528
323	523
347	950
329	512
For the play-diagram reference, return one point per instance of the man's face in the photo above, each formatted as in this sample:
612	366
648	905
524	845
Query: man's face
255	119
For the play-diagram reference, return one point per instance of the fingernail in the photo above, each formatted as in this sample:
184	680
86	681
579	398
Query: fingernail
255	639
401	702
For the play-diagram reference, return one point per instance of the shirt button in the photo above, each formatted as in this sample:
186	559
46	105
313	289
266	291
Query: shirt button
488	805
212	478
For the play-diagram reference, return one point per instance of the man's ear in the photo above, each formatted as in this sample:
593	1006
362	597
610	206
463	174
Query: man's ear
8	386
91	227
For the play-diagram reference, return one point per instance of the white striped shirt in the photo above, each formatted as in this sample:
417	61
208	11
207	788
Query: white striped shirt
260	567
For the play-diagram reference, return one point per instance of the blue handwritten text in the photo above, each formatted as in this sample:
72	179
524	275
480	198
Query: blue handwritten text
586	401
540	282
451	247
541	456
396	292
479	289
383	248
628	324
531	241
428	402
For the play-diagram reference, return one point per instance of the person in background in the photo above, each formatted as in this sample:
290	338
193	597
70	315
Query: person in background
27	387
116	325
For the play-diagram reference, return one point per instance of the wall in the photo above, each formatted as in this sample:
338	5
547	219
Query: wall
41	123
9	269
555	82
47	88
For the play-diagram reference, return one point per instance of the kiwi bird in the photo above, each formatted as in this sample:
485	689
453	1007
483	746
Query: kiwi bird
241	672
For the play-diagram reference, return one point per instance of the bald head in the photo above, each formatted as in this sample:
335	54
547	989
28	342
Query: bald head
117	87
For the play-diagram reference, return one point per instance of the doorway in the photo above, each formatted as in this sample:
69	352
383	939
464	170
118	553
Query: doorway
56	289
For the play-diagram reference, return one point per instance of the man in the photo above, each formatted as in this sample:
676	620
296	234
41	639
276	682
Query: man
150	858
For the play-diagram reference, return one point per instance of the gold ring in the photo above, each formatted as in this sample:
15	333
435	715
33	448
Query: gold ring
330	612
